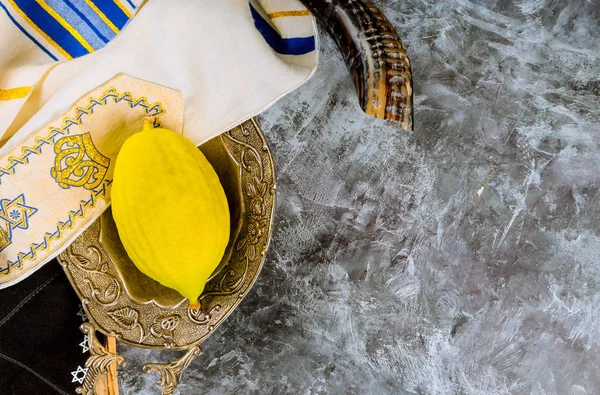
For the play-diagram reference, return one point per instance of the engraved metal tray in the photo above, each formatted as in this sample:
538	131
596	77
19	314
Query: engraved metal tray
122	302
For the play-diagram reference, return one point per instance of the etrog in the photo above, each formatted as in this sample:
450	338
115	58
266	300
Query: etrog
170	210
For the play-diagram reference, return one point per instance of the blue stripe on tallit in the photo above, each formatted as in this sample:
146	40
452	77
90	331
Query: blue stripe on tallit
95	20
284	46
27	34
131	4
84	18
78	23
112	12
51	27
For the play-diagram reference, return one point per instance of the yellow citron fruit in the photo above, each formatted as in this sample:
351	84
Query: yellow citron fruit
170	209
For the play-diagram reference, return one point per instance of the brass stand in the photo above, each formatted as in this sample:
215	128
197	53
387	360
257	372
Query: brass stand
169	373
103	361
98	362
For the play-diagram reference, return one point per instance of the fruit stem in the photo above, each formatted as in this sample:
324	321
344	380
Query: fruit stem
148	124
194	305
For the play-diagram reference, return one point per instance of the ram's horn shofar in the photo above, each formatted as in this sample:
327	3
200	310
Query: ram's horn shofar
374	54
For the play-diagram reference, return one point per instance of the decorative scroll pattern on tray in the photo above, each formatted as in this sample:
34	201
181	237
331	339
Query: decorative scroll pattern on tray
99	284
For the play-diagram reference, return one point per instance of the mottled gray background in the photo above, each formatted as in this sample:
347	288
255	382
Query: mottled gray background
461	259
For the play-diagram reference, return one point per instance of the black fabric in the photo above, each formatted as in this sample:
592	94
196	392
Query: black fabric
39	335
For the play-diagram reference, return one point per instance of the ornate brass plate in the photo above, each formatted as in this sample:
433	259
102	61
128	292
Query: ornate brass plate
121	301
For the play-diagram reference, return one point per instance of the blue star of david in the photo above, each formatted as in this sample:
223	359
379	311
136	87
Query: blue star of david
16	212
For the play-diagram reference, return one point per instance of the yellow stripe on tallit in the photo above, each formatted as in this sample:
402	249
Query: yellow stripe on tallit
39	31
281	14
66	25
122	7
14	93
102	16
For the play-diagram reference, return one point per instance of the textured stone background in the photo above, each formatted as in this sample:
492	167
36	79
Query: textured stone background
461	259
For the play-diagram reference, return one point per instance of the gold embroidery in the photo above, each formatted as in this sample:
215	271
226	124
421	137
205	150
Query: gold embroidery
14	93
281	14
79	114
78	163
4	239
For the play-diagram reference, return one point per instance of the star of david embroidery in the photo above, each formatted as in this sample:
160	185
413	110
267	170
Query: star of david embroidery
14	214
84	345
79	374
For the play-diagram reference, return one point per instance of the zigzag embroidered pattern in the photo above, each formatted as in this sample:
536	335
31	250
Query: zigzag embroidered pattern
110	96
34	248
155	109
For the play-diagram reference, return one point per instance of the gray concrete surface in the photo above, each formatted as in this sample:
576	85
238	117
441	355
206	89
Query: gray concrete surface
461	259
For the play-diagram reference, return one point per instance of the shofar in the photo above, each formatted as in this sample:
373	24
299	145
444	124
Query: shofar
374	55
